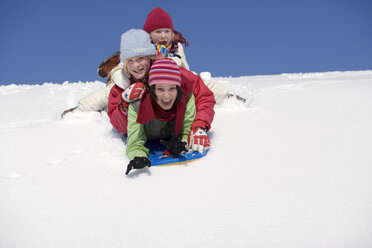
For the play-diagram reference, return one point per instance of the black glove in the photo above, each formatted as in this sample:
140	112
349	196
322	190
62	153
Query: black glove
175	145
138	163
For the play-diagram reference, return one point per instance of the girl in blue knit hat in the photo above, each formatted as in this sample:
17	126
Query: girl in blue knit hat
169	43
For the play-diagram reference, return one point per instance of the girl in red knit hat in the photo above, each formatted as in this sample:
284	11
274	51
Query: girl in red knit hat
168	41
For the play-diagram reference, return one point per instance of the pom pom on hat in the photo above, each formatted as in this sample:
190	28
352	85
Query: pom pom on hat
136	42
156	19
164	71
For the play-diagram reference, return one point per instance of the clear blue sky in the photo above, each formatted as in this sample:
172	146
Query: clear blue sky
57	41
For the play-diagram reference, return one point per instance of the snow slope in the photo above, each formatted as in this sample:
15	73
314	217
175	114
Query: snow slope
291	168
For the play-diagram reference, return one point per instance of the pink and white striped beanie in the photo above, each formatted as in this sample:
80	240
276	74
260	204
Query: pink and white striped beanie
164	70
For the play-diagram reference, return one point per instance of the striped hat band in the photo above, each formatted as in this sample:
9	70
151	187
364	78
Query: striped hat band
164	70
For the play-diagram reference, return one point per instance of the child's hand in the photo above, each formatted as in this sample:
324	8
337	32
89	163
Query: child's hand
138	163
175	145
198	140
134	92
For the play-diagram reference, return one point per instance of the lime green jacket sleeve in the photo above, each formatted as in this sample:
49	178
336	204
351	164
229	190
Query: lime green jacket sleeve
190	113
136	138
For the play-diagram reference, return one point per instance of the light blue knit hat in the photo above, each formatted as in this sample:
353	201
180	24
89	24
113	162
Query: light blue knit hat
136	42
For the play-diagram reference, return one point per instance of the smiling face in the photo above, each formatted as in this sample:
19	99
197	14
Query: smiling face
138	66
162	36
166	95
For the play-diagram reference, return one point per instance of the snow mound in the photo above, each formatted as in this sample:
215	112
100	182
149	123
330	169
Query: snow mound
289	168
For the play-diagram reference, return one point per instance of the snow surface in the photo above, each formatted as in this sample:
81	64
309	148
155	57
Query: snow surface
291	168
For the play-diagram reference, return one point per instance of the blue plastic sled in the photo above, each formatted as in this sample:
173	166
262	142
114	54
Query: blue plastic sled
156	156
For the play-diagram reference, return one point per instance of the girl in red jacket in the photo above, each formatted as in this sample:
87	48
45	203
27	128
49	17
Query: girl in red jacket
169	43
136	54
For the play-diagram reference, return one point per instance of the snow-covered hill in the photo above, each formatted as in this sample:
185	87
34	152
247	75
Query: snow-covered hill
291	168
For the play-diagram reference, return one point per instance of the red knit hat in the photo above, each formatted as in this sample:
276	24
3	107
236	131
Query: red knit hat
156	19
164	70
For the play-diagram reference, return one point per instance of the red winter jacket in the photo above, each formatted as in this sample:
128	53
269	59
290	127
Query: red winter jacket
204	101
